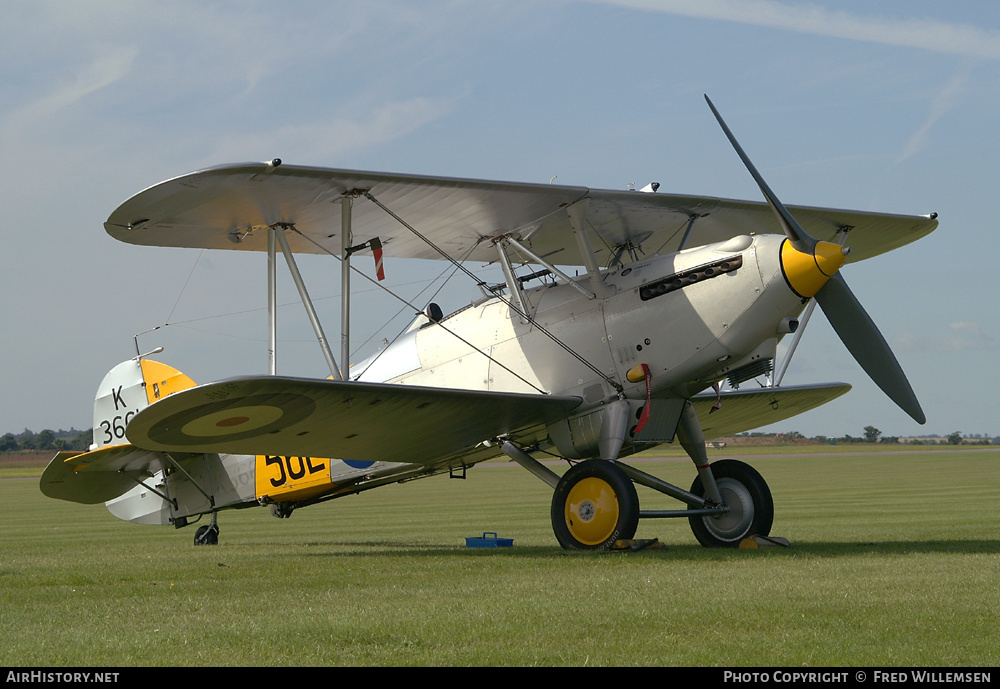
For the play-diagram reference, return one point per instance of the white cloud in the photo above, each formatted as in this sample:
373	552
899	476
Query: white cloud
330	139
940	106
925	34
963	336
102	71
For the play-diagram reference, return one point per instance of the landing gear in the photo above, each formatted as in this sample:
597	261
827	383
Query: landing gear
282	510
594	505
595	502
751	509
208	534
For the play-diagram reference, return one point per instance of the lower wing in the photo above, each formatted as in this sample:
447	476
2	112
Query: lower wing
347	420
744	410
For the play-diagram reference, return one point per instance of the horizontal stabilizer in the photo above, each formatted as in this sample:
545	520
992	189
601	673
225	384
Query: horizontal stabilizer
98	476
744	410
347	420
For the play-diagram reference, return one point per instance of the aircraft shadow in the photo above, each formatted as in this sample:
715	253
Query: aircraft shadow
684	551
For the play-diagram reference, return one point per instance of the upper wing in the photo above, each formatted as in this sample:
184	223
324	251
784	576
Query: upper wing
341	419
230	207
744	410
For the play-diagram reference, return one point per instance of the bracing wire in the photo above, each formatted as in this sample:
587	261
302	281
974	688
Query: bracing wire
417	310
184	287
396	337
506	301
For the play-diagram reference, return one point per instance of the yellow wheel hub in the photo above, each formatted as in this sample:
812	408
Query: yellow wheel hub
591	511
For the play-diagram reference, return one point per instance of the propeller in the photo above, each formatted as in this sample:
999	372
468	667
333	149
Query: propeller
848	318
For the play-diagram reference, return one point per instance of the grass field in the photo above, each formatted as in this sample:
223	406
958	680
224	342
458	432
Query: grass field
895	561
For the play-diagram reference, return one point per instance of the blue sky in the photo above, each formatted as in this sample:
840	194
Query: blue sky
888	106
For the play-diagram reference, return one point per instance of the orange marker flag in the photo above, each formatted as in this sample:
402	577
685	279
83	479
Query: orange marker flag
376	245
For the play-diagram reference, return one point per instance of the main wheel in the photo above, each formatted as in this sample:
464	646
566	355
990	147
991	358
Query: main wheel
594	505
745	493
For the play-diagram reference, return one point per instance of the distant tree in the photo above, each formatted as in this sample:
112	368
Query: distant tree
45	440
26	441
955	438
872	434
8	443
81	441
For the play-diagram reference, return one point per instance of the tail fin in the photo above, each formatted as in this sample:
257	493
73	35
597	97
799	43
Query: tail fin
127	389
98	475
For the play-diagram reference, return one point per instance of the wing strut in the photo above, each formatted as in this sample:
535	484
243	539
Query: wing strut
306	301
272	300
440	324
577	213
687	232
541	261
345	285
508	272
779	374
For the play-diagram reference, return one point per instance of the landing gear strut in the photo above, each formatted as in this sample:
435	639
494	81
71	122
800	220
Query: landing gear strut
727	483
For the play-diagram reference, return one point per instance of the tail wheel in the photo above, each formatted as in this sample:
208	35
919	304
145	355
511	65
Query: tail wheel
745	493
594	505
207	535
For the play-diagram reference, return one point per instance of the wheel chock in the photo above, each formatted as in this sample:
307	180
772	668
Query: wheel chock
764	542
634	545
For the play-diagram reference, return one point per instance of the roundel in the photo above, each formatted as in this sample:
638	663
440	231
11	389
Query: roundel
229	421
232	419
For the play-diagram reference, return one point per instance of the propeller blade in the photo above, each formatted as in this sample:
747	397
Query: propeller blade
866	344
845	313
799	238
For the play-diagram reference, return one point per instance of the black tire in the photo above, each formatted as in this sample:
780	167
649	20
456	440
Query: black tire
207	535
594	505
751	508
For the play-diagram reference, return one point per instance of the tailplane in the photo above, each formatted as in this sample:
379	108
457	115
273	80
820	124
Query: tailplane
112	469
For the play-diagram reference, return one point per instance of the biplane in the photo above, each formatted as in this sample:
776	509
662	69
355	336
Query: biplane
675	302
